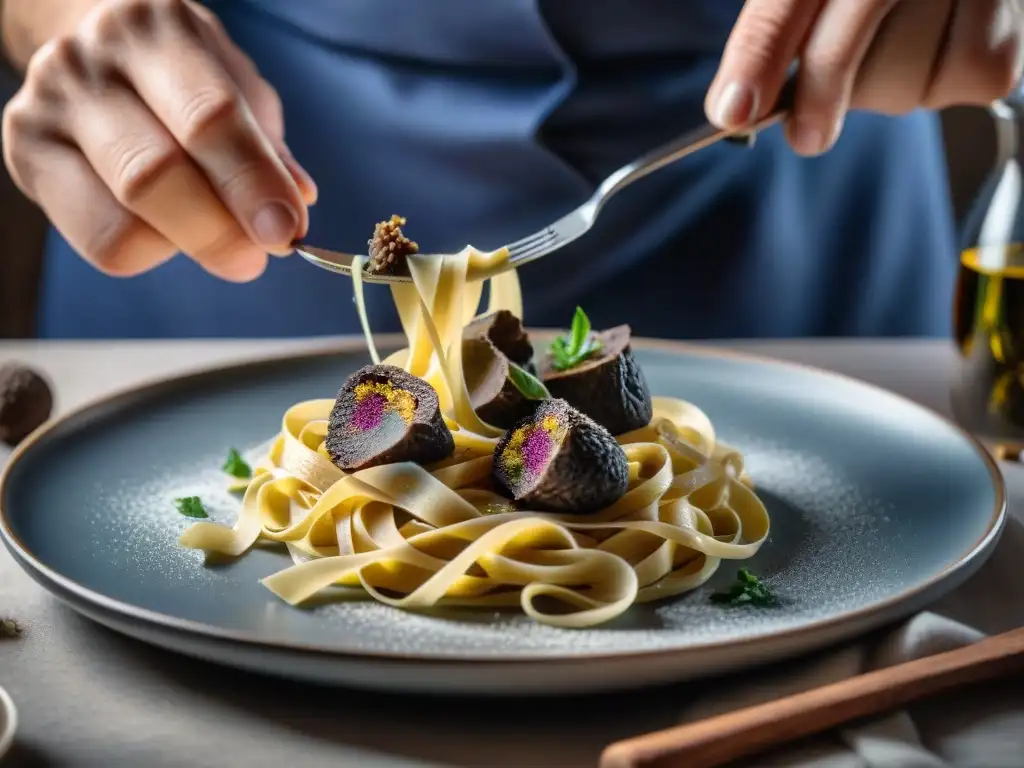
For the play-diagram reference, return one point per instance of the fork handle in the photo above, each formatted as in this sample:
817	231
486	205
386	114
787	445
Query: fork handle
689	143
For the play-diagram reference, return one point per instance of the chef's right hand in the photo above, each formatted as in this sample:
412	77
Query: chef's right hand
147	133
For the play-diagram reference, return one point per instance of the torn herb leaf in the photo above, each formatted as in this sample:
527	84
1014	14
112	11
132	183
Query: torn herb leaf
747	590
577	346
191	506
236	466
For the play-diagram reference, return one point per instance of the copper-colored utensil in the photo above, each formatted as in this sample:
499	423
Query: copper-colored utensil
725	738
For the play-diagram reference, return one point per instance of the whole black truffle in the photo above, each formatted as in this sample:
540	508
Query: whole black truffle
558	460
390	249
608	386
384	415
26	401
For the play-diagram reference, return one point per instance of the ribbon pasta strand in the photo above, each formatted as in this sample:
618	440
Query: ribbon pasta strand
415	537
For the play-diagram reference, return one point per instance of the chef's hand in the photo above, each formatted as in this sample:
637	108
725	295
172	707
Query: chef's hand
146	133
889	56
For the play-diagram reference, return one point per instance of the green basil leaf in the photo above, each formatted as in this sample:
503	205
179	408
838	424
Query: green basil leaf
748	589
236	466
191	506
580	331
530	386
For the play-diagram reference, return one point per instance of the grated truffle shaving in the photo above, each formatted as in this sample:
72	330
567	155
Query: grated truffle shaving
390	249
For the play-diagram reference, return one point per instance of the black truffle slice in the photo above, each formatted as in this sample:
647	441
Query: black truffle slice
384	415
558	460
26	401
608	386
492	394
505	331
390	249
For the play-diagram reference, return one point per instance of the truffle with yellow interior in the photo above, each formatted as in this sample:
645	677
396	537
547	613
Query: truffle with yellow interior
558	460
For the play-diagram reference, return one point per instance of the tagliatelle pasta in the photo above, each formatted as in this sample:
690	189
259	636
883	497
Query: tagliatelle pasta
416	536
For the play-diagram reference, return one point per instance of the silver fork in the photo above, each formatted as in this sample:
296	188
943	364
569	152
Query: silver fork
578	222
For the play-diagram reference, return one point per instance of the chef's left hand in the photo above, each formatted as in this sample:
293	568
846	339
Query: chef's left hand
888	56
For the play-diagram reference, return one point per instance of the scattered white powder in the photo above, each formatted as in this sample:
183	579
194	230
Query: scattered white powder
816	514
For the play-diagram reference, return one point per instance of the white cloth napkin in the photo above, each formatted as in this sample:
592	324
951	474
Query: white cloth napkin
979	727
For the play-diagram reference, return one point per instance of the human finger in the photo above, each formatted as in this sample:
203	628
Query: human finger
61	181
981	59
162	54
829	62
761	48
261	97
150	174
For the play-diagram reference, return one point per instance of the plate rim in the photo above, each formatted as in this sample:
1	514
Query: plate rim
350	344
10	725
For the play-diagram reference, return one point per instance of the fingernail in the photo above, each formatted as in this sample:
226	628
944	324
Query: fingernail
736	106
808	138
275	224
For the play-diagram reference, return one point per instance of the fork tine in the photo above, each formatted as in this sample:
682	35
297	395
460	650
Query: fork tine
542	236
529	254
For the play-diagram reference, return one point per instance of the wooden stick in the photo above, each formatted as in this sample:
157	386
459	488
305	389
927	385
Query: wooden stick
728	737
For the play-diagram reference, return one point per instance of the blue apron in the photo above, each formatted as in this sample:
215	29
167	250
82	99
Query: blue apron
482	121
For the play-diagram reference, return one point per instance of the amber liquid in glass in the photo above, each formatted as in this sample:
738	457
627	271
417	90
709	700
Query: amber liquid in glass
988	316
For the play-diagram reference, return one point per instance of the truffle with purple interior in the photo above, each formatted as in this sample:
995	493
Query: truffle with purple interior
385	415
558	460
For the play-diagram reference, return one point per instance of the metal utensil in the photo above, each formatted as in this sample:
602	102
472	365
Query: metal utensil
578	222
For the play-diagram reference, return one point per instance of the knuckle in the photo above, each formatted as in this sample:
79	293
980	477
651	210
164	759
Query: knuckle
138	162
113	23
243	179
139	16
206	109
757	38
17	118
829	66
101	30
57	62
178	13
19	124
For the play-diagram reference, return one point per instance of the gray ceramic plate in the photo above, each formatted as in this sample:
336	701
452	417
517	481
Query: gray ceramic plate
878	507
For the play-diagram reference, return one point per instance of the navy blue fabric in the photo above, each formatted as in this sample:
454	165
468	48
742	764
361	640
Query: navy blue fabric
482	121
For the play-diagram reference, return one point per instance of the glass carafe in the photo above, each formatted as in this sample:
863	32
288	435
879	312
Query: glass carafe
988	310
